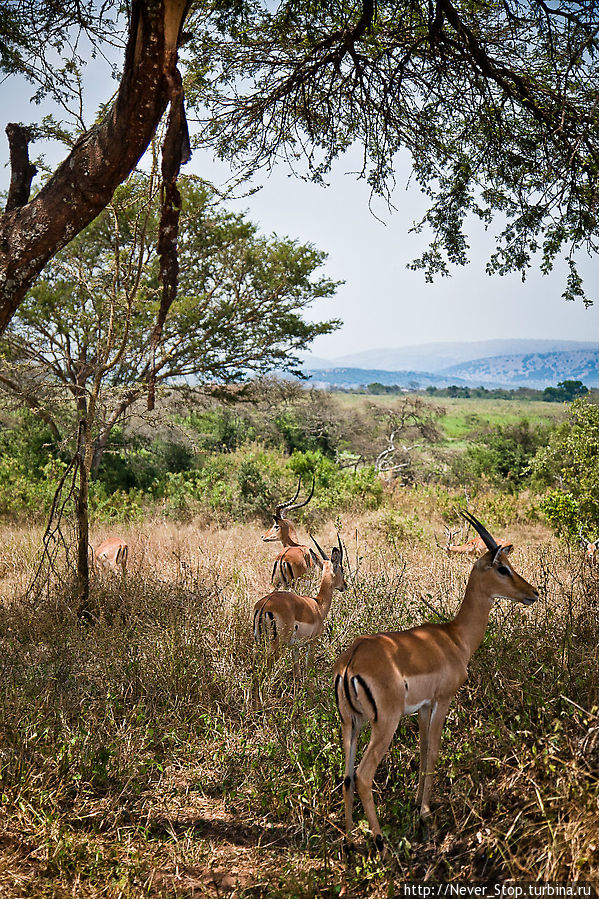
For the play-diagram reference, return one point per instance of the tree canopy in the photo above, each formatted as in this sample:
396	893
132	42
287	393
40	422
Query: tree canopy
495	100
78	346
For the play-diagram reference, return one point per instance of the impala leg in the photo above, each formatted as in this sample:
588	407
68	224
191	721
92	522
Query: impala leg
436	722
350	732
296	663
380	740
309	655
424	718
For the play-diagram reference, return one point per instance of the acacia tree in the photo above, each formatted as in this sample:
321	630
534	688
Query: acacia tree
77	348
495	100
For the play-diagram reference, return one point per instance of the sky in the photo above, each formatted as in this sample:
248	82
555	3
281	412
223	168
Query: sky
381	303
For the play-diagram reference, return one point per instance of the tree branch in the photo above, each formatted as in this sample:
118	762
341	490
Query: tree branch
22	171
100	160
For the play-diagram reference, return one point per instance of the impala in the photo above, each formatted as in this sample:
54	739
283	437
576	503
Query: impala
384	676
290	619
296	559
111	555
590	547
474	547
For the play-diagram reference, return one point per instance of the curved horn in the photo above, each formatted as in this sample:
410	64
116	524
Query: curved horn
288	502
481	530
306	501
324	555
340	547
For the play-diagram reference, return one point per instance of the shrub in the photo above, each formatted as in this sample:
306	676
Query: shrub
503	454
570	465
23	494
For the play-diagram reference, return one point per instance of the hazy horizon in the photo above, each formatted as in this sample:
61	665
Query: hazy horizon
449	343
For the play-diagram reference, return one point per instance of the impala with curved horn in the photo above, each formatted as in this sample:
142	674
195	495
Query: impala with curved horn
296	559
384	676
111	555
287	618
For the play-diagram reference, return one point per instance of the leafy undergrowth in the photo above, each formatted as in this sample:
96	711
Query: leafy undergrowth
158	753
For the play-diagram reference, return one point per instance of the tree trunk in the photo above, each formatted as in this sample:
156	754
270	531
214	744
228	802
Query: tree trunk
82	513
102	157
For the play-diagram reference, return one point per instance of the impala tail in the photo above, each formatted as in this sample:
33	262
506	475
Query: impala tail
265	625
353	693
282	573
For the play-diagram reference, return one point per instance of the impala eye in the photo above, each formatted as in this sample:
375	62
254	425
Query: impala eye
502	569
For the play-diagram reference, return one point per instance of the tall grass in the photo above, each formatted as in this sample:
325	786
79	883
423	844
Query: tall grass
159	752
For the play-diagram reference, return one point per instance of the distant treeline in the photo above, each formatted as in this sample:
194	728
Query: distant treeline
565	392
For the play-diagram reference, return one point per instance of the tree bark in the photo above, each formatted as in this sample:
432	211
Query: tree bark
102	157
22	171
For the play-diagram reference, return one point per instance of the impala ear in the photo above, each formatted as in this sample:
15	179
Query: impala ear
336	556
315	558
506	550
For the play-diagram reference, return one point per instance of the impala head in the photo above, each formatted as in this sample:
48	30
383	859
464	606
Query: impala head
450	536
281	522
334	565
500	579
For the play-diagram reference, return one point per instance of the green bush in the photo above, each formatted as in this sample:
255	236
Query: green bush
570	465
562	512
21	494
503	454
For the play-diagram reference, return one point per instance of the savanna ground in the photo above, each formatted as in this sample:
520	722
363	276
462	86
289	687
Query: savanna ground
156	753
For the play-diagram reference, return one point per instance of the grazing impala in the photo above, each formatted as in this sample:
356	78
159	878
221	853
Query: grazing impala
296	559
111	555
474	547
288	618
382	677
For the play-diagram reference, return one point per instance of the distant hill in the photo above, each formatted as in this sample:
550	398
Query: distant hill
360	377
536	370
437	357
529	369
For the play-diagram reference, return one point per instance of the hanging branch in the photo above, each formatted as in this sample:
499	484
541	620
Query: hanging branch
176	151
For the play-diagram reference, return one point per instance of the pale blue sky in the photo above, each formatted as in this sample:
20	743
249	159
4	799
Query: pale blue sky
382	303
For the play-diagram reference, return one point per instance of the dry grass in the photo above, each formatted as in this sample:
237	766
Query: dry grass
157	754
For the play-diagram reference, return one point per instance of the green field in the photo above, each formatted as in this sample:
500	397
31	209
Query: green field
465	415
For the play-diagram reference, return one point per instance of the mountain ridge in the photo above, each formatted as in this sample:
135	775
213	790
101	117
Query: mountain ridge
535	370
438	356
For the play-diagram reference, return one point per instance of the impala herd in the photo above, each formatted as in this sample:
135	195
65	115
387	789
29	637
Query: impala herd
380	677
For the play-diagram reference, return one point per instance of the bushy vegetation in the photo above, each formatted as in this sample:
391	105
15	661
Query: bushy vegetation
230	460
502	454
158	752
569	466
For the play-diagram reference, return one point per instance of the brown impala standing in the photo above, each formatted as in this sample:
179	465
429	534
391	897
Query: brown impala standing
296	559
286	618
382	677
